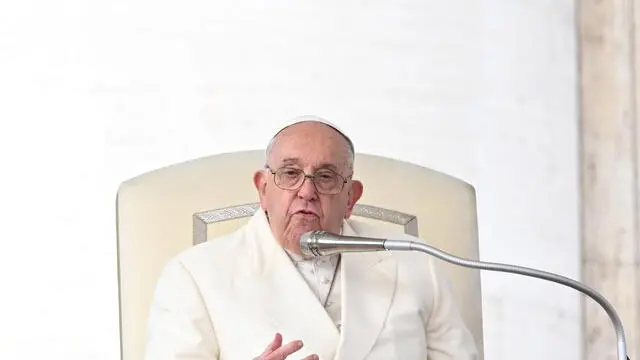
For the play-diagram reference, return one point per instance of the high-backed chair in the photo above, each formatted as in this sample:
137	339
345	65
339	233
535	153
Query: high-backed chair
165	211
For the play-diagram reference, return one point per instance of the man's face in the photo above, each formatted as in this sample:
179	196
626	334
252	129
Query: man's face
309	147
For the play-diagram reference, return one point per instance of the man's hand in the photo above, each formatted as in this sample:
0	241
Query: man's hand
275	350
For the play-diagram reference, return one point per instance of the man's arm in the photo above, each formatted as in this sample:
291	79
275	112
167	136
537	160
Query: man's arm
447	336
179	326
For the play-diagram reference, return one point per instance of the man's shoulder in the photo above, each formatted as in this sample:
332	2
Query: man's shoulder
414	268
217	250
404	258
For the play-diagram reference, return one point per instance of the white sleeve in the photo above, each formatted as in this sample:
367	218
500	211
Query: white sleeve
447	336
179	326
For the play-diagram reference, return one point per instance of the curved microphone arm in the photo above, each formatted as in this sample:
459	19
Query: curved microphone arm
615	319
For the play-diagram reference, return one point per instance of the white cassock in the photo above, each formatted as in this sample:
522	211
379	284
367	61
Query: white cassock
225	300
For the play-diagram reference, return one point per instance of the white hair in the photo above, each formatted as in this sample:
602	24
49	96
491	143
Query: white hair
313	118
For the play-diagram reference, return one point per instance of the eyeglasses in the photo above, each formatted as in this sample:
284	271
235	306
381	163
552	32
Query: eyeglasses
326	181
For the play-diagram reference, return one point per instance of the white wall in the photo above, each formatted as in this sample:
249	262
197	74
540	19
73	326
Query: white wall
94	93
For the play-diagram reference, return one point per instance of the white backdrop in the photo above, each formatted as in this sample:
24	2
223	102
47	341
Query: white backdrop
93	93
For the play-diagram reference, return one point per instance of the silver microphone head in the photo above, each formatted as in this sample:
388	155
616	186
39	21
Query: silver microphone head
320	243
309	243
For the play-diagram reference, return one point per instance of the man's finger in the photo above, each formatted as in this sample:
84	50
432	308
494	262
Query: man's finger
312	357
285	350
276	343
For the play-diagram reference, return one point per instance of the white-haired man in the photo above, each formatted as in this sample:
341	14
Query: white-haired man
239	297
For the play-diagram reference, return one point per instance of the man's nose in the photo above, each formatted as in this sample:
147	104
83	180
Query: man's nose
307	189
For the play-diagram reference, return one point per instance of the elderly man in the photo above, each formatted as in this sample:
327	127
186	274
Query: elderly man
253	295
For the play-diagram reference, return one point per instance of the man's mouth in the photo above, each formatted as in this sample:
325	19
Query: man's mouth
305	212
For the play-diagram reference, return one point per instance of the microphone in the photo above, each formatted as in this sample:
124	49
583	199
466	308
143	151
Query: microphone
319	243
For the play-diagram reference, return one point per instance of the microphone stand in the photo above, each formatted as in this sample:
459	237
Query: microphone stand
615	319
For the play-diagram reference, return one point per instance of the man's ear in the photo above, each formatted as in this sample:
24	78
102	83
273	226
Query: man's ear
354	195
260	182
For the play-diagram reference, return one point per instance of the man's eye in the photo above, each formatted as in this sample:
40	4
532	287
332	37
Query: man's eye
326	176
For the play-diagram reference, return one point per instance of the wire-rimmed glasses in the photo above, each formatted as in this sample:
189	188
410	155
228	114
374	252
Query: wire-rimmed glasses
326	181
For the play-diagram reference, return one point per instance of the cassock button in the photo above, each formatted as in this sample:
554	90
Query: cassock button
324	279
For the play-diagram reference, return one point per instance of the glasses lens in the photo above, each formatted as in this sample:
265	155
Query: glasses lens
326	181
288	178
